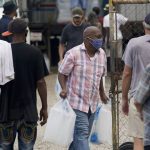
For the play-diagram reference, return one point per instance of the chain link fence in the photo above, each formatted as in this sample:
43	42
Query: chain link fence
135	12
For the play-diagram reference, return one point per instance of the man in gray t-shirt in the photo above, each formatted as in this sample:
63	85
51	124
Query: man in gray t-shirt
136	58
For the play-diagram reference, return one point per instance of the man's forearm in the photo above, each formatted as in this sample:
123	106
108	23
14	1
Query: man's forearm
126	82
101	88
103	96
61	51
42	90
107	36
62	80
104	35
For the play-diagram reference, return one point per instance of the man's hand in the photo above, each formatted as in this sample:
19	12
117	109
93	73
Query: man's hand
104	98
59	63
139	108
125	106
63	94
43	116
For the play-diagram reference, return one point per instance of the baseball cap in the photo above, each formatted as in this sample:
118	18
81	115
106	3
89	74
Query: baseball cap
77	12
7	33
9	7
16	26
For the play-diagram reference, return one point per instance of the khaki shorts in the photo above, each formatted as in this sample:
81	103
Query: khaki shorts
118	51
136	125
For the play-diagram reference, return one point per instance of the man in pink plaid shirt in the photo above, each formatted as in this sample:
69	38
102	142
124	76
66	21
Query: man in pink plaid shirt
80	76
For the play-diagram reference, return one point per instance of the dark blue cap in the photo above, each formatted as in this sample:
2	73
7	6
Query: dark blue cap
9	7
147	19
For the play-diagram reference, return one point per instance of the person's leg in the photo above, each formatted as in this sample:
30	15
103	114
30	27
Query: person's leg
74	3
138	144
108	64
136	126
119	49
7	135
27	133
147	147
83	4
119	56
81	132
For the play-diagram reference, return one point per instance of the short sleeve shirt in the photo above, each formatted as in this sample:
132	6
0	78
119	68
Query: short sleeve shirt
4	21
29	67
84	76
121	20
72	35
137	57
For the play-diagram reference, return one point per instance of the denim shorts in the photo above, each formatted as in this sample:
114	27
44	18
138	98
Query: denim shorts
26	135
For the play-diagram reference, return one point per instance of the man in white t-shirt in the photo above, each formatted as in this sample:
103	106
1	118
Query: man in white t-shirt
120	20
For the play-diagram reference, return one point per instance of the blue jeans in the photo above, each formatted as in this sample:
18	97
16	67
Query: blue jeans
79	3
26	135
82	130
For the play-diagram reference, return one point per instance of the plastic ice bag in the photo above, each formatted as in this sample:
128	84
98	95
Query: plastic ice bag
57	88
60	124
101	132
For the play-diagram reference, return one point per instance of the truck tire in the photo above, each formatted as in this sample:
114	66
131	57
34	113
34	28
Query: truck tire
126	146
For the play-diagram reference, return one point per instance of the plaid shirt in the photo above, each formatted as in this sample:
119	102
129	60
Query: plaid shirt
142	96
84	75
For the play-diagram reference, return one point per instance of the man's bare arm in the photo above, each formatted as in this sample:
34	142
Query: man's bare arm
61	51
42	90
63	80
103	96
126	82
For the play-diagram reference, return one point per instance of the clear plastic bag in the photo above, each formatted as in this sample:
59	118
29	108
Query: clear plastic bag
101	132
57	88
60	124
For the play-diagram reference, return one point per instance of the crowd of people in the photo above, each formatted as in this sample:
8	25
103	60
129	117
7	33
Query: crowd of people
83	52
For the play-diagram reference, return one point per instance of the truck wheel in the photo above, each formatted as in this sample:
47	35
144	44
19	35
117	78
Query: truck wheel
126	146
